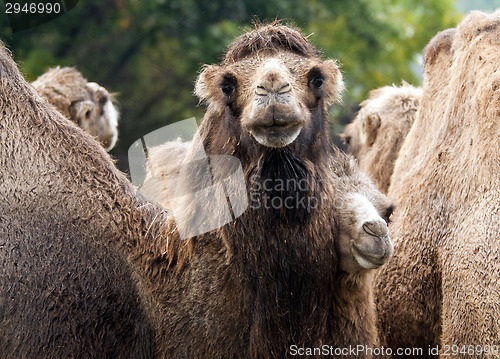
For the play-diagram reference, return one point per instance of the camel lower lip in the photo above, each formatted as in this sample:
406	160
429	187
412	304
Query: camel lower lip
375	260
276	131
276	135
278	128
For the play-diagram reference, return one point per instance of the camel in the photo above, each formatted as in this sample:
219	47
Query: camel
379	129
68	222
441	288
109	275
163	172
85	103
438	56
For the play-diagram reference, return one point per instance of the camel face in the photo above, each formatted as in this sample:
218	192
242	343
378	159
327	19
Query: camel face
364	236
274	96
279	101
274	116
101	118
377	133
86	104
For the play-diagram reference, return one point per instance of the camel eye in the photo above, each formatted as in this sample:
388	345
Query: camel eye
347	140
317	82
228	89
388	213
228	86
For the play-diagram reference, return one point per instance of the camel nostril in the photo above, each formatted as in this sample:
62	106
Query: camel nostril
285	88
261	91
376	228
268	87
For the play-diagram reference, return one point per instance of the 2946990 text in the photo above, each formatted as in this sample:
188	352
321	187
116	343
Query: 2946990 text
32	8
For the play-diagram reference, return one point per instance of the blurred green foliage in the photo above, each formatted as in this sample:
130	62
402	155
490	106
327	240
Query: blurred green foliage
150	51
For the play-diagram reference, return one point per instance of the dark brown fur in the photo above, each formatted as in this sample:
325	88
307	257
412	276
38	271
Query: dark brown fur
90	268
272	276
270	37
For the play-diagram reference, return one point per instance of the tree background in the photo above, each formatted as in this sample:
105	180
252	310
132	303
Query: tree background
149	52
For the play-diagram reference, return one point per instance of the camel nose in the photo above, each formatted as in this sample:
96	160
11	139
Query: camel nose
380	248
376	227
373	250
267	88
273	79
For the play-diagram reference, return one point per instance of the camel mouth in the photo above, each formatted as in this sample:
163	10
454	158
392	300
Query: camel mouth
277	135
371	259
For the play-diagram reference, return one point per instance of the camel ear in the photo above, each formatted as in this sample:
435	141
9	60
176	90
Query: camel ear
334	87
206	87
369	128
80	110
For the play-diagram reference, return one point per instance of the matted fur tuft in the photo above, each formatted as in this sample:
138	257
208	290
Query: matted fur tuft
439	43
272	37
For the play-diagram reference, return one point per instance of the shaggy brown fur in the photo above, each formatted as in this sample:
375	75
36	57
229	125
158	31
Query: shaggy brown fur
67	219
377	133
442	288
272	275
407	289
163	172
278	39
85	103
252	288
438	57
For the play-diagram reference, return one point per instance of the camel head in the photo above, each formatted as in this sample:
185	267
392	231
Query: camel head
377	133
272	88
363	214
87	104
97	115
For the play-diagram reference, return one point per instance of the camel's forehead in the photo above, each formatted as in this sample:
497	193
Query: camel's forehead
296	64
